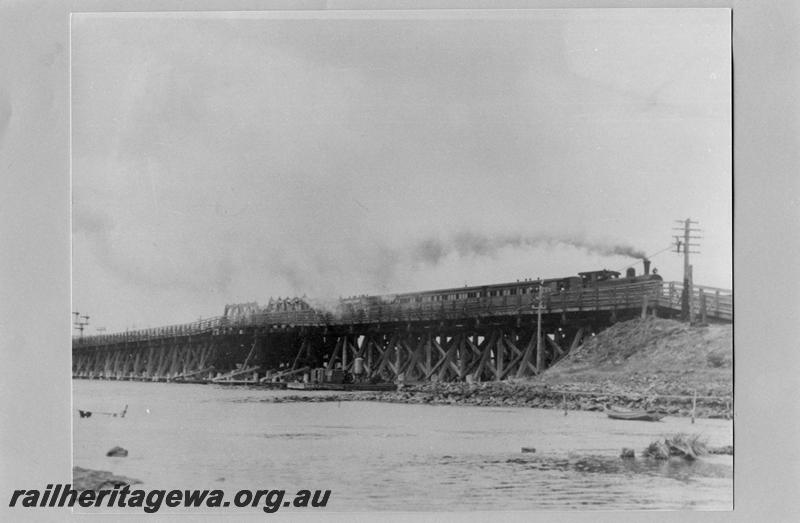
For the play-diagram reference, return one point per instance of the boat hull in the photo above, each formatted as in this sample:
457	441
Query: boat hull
635	415
375	387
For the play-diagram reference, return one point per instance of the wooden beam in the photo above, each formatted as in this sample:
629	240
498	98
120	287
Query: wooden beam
152	359
368	346
332	359
300	352
577	340
448	358
487	348
386	352
345	346
555	346
443	356
526	357
252	351
238	372
511	345
428	355
499	355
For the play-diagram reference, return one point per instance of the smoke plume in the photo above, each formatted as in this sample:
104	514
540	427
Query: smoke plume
432	251
378	268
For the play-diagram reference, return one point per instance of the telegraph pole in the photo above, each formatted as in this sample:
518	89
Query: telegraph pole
80	322
539	347
684	244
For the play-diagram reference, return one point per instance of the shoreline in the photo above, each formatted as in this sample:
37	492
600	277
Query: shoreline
578	396
527	395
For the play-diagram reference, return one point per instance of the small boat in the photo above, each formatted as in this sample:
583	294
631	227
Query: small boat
373	387
635	415
299	385
88	413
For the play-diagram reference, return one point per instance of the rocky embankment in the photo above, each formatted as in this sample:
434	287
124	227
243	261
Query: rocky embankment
652	363
88	479
655	357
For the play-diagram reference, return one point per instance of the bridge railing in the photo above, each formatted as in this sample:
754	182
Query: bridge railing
168	331
215	325
718	302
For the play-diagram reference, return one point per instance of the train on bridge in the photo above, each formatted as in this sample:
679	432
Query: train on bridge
496	294
485	332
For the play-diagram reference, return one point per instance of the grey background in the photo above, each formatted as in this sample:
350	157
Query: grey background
227	157
35	241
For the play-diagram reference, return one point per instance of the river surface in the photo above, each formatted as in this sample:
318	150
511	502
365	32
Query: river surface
390	456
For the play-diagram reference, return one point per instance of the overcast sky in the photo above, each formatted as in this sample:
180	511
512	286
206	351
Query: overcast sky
232	157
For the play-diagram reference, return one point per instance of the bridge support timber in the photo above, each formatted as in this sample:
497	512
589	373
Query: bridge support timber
409	351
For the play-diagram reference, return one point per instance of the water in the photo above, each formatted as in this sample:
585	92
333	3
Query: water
386	456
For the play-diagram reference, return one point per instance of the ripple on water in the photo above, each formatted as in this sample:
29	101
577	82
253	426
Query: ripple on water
378	456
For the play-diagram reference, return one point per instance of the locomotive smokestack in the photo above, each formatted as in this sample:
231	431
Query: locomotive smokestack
646	266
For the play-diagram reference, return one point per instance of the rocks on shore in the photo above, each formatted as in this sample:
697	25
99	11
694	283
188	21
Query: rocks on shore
117	452
521	393
726	450
87	479
688	447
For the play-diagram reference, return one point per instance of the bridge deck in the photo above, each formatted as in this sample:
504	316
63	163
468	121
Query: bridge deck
489	338
665	297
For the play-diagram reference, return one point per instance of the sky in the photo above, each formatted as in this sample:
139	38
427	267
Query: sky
233	157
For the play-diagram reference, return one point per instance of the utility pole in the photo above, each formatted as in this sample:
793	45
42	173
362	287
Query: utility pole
80	322
684	244
539	344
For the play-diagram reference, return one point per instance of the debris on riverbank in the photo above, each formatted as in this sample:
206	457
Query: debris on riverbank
725	450
520	394
87	479
676	468
686	446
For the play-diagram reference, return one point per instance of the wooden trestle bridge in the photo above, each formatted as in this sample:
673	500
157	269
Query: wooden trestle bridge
480	339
